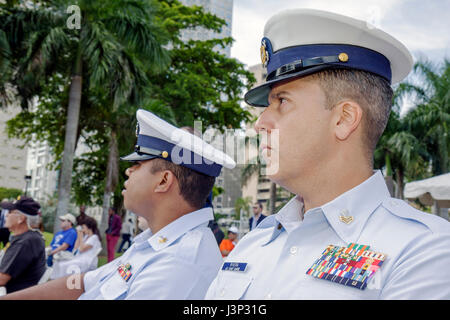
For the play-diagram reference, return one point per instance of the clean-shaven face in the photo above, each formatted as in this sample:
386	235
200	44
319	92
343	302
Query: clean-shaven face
297	113
138	186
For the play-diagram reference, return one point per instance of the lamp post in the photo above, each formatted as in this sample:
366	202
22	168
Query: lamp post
27	181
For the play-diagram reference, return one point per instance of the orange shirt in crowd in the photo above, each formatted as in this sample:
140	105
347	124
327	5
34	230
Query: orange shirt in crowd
226	244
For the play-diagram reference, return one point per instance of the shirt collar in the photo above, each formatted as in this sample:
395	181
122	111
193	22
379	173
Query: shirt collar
174	230
348	213
287	219
356	205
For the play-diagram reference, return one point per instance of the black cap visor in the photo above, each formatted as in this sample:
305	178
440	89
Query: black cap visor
258	97
138	156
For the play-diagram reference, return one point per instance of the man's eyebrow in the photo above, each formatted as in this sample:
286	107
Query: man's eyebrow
277	94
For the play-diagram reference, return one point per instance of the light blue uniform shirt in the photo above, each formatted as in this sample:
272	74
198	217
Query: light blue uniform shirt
281	249
177	262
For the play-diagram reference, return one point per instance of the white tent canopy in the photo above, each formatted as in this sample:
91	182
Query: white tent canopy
432	191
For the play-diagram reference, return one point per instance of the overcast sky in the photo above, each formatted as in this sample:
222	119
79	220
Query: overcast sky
423	26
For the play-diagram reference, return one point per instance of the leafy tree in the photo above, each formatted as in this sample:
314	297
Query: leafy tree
419	140
430	119
108	50
103	119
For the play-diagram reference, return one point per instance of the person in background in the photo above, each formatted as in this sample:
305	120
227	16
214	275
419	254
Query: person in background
4	232
212	224
228	244
86	249
63	240
23	263
127	232
142	224
257	216
112	233
82	215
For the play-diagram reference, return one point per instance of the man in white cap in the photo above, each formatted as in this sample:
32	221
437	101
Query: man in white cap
64	240
177	257
226	245
328	97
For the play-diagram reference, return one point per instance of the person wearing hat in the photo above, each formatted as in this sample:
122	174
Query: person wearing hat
327	99
228	244
4	232
23	263
177	256
64	240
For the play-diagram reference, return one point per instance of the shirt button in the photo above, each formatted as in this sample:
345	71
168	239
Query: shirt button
268	296
293	250
222	292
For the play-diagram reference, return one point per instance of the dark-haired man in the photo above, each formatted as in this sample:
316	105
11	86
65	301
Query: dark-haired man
257	217
327	98
177	257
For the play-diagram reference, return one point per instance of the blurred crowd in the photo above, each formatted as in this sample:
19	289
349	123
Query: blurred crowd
26	261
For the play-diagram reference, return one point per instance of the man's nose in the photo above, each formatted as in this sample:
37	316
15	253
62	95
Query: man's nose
265	121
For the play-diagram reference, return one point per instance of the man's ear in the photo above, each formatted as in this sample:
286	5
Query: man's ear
166	180
348	116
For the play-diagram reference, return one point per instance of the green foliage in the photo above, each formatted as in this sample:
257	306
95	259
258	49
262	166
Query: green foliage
416	146
9	193
242	205
125	48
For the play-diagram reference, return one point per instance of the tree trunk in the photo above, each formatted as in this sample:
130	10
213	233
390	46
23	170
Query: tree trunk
273	197
388	178
73	114
112	178
399	180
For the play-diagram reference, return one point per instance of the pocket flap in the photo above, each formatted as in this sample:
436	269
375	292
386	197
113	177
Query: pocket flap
232	286
113	288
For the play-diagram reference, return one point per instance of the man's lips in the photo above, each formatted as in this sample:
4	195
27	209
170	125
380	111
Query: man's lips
124	187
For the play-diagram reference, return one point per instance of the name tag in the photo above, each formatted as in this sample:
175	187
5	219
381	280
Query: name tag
234	266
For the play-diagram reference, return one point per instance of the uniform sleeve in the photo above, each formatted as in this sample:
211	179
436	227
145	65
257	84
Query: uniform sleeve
16	259
170	279
422	271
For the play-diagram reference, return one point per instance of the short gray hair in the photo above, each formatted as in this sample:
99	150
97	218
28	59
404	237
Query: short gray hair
31	220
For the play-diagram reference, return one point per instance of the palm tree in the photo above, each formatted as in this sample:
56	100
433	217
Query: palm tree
419	140
430	119
399	151
114	48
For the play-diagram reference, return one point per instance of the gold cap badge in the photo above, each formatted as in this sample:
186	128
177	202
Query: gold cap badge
343	57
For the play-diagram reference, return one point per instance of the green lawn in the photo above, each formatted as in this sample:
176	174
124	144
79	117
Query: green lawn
104	259
48	239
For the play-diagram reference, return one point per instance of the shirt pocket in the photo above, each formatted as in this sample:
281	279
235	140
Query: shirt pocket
232	285
114	288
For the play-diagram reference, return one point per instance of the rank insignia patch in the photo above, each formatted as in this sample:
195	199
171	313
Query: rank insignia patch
352	266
